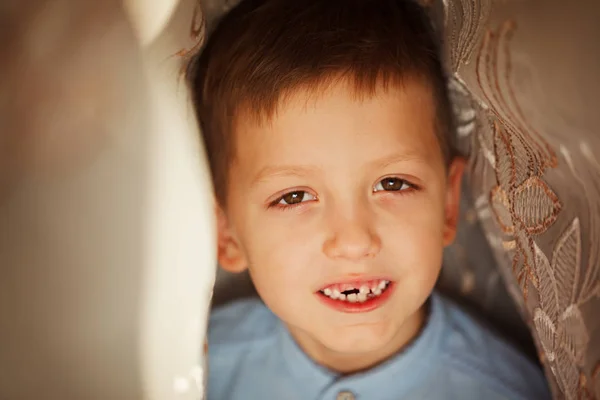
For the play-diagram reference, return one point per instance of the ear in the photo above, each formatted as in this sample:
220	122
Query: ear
455	173
229	252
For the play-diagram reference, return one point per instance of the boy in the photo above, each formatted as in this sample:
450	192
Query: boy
328	131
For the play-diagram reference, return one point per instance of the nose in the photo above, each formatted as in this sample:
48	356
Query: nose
352	236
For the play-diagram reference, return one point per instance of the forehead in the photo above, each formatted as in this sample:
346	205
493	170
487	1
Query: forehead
307	126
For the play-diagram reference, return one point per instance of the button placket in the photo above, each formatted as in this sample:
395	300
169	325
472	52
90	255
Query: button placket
345	395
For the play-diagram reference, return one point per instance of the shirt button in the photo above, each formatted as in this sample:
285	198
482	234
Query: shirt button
345	396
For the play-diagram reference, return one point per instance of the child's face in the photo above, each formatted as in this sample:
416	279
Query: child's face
336	193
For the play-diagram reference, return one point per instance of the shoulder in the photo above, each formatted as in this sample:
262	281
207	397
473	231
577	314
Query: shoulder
474	350
240	336
243	322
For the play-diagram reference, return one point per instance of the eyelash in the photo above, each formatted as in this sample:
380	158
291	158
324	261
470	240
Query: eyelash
411	187
409	190
277	201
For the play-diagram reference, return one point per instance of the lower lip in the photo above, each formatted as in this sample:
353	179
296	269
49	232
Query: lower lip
358	307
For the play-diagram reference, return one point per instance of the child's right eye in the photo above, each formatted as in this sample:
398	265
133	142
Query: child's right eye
293	198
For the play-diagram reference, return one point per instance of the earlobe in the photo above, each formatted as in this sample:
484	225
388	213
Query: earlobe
455	174
229	252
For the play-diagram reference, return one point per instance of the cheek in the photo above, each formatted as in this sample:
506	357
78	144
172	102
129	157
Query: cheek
278	268
413	234
417	216
416	260
279	256
284	237
418	254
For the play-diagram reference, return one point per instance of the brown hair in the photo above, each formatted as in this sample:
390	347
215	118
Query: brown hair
264	50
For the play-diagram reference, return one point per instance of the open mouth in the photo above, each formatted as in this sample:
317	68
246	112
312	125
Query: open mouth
353	293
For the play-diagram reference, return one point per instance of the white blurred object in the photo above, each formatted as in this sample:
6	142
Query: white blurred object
181	248
149	17
107	244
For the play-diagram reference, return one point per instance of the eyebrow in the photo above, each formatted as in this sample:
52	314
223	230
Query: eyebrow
397	158
283	170
303	171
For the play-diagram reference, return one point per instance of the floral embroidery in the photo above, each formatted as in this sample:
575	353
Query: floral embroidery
524	207
464	19
535	205
558	321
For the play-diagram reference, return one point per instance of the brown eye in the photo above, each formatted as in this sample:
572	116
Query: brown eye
391	185
297	197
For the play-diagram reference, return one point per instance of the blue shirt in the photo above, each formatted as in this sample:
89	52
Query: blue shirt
252	356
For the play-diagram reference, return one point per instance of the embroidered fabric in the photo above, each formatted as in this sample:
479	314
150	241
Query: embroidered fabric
524	76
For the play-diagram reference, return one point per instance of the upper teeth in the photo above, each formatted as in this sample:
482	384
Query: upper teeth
364	292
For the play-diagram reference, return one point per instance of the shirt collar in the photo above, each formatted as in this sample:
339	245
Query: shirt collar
312	377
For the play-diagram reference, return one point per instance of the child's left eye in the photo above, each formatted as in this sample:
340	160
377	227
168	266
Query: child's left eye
392	185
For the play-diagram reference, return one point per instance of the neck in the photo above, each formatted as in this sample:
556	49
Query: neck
350	363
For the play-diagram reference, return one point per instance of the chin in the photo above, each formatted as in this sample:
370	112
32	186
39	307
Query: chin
360	338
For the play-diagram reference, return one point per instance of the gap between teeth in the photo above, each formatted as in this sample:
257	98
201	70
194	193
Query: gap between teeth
364	293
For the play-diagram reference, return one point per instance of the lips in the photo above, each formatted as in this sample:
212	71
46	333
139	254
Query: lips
357	295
